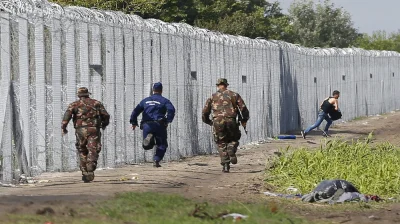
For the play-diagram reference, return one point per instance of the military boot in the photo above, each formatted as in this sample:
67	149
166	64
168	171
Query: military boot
90	176
233	158
226	167
84	177
87	177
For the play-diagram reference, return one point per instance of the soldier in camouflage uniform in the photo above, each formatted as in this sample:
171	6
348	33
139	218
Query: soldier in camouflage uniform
89	115
224	106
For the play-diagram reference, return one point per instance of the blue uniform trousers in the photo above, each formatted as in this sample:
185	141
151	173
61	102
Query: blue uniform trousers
159	132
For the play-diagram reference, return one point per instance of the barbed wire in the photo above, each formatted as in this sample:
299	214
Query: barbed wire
47	10
274	74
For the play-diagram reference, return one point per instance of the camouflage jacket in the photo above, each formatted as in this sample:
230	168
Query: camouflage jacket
86	112
224	104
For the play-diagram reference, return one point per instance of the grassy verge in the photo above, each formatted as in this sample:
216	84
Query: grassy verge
149	208
373	169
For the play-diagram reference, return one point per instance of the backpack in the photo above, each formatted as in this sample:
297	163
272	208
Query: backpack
335	115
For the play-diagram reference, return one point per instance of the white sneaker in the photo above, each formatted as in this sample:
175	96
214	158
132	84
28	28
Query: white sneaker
303	134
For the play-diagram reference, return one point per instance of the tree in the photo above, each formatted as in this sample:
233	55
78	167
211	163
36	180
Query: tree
166	10
321	25
380	40
251	18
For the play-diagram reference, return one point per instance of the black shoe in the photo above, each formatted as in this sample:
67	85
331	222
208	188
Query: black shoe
303	134
226	168
325	134
148	140
156	164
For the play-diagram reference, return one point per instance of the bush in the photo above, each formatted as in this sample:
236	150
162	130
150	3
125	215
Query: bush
372	169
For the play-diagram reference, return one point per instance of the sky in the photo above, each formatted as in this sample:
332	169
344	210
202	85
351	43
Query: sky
367	15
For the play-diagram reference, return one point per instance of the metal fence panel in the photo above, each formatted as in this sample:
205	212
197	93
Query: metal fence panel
130	93
71	87
119	57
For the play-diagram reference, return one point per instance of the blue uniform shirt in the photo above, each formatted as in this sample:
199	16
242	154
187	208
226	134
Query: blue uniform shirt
154	108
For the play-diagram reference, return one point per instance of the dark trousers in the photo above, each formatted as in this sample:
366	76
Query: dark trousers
159	132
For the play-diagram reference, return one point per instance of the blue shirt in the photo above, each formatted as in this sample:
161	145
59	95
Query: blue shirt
154	108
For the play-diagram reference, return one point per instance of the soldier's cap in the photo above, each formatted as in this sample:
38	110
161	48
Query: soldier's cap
83	91
222	81
157	86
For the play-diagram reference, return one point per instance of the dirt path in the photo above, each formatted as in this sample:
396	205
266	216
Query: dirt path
199	178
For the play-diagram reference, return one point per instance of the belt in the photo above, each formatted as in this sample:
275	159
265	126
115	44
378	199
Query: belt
87	127
150	122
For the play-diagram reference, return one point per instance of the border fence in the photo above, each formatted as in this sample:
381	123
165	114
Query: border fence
48	51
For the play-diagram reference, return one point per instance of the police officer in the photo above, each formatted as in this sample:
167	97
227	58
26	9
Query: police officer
158	112
89	115
224	106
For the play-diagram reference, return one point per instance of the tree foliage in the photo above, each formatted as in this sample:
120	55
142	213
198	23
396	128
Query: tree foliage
380	40
166	10
321	24
308	24
251	18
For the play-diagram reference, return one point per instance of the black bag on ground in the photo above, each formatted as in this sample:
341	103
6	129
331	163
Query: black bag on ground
328	189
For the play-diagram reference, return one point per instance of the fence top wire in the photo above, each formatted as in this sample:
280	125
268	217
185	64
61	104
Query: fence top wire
48	10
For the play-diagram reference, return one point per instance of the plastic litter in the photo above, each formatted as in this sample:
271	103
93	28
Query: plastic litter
235	216
7	185
270	194
293	189
288	196
30	180
373	217
44	181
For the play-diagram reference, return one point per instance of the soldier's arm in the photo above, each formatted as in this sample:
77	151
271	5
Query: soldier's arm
171	111
206	112
105	117
67	117
243	108
135	113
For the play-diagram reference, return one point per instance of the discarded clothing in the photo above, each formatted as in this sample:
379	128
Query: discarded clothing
351	196
334	191
283	195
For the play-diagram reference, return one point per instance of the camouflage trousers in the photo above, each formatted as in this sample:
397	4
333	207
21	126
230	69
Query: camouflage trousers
88	144
227	136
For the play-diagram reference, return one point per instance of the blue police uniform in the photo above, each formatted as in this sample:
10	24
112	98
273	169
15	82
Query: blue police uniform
158	112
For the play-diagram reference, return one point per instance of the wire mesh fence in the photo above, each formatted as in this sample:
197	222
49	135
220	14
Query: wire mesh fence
48	51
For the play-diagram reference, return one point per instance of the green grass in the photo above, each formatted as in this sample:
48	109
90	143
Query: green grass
149	208
373	169
172	209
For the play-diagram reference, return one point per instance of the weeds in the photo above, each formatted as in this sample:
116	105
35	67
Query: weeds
372	169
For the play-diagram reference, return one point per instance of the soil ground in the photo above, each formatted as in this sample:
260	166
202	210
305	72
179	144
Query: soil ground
200	178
